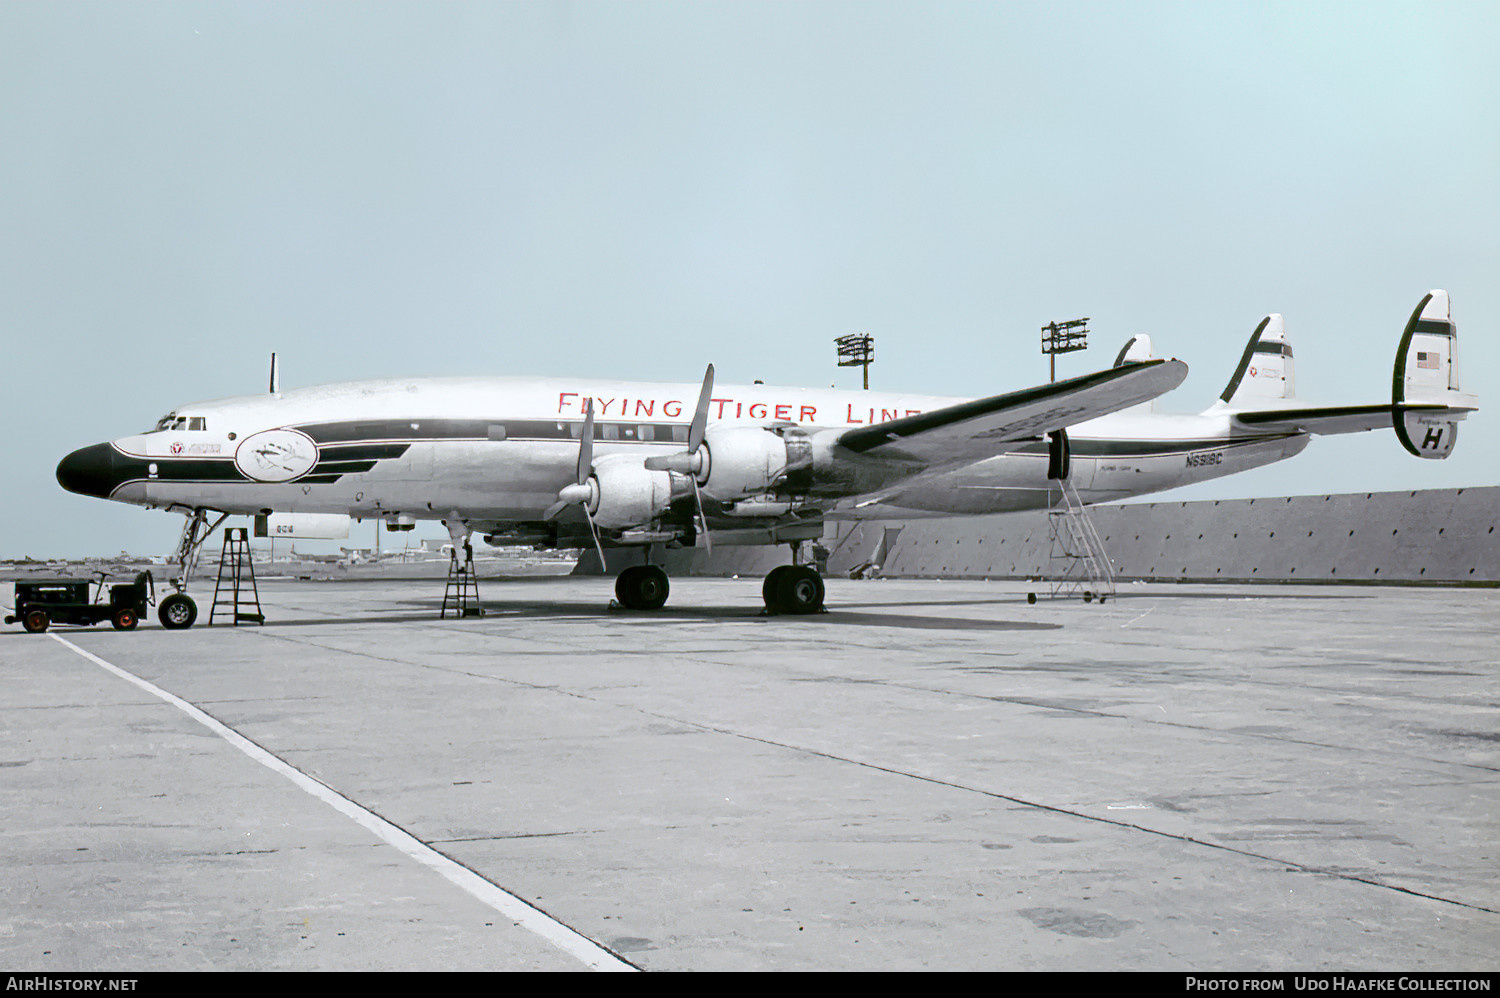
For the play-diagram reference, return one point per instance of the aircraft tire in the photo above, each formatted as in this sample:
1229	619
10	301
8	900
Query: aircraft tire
35	621
642	587
800	590
177	612
124	619
769	588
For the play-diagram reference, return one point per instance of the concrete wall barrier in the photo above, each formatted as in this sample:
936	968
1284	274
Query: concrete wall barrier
1439	536
1443	536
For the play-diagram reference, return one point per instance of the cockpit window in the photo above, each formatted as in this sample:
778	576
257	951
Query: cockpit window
172	421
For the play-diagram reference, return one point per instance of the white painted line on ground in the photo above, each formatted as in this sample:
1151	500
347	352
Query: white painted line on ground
528	917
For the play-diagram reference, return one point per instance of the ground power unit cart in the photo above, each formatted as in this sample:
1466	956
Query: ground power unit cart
43	602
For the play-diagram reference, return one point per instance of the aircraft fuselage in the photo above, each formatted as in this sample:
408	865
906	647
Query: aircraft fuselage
499	449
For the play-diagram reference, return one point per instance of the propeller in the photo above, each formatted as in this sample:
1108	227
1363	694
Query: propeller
581	492
690	461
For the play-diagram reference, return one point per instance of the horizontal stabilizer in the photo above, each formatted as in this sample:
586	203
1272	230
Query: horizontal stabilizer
971	431
1338	418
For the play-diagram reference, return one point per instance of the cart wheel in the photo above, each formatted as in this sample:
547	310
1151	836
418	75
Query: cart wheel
1088	597
177	611
36	621
125	619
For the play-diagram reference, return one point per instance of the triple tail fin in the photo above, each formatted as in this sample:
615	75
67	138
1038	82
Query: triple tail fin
1426	404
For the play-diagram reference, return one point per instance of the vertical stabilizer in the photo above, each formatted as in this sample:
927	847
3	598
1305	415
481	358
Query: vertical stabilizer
1135	350
1267	371
1426	374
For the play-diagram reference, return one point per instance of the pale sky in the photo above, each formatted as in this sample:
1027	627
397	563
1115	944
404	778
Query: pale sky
635	190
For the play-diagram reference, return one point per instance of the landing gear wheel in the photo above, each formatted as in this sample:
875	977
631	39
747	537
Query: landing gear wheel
36	621
642	587
1031	597
124	619
177	612
798	589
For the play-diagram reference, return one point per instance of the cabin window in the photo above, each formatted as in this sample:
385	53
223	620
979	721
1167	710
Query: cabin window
197	423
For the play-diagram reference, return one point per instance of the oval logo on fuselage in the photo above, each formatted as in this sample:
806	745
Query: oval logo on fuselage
276	455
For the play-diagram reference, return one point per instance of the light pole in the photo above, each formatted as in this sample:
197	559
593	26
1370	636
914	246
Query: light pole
1063	337
857	350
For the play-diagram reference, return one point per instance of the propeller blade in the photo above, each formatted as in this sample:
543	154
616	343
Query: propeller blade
603	565
586	444
708	543
700	415
579	493
683	462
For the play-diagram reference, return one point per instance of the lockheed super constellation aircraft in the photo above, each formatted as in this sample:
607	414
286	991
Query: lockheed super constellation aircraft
574	462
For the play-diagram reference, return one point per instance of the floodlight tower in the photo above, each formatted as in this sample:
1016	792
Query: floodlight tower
857	350
1063	337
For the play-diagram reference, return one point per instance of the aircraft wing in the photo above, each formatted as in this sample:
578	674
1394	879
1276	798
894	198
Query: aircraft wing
972	431
1339	418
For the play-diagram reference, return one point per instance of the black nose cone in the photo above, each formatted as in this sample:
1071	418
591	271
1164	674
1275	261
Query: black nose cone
89	471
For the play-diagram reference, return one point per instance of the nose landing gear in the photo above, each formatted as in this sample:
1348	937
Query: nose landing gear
178	611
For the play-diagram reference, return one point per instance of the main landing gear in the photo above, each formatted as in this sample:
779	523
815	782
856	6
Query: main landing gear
791	589
794	588
642	587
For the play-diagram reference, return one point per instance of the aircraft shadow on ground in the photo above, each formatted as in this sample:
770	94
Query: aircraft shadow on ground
424	612
837	615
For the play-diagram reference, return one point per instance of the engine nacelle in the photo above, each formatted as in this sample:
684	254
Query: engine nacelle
753	460
623	494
